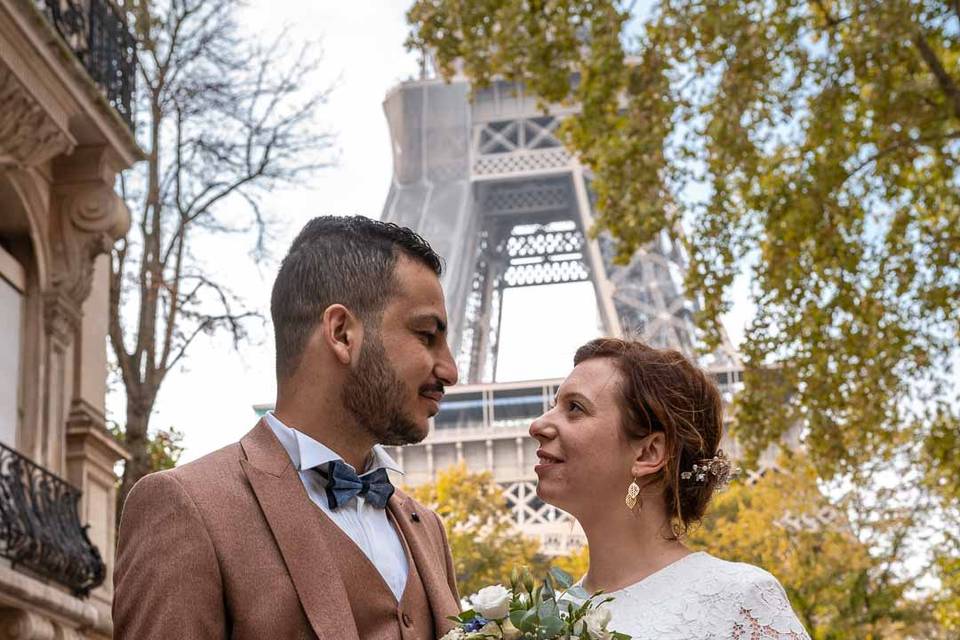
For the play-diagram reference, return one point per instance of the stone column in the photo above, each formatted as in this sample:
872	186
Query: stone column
90	216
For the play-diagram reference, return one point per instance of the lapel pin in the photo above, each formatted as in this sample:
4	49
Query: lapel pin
415	516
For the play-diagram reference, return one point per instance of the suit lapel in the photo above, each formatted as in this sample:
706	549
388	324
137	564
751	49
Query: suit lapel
429	558
291	516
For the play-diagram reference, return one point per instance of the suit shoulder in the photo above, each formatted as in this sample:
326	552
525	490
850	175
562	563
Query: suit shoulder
204	475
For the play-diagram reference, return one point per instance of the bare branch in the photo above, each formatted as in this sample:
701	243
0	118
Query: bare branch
225	121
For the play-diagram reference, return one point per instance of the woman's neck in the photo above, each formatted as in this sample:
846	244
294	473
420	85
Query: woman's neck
625	548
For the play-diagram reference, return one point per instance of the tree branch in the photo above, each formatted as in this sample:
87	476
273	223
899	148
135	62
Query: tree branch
947	84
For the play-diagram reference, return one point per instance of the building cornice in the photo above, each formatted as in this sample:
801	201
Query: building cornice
48	69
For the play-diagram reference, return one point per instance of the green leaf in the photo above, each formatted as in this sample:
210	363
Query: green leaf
578	592
562	578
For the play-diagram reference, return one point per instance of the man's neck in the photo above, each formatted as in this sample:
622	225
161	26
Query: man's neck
335	431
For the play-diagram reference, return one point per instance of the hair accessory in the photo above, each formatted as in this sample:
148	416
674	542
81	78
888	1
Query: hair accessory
719	466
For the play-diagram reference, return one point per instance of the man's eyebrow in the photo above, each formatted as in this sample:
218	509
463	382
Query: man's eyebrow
441	325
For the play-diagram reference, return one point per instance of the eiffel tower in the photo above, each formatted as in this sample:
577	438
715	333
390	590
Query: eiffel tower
483	177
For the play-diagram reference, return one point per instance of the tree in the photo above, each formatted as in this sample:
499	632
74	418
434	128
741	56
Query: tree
484	544
163	447
833	564
815	143
575	563
942	470
223	120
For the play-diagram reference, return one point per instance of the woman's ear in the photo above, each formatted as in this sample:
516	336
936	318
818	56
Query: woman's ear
342	332
651	455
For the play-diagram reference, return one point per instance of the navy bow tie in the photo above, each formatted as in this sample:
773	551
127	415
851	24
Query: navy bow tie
343	484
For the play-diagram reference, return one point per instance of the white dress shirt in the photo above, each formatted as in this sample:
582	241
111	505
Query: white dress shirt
368	526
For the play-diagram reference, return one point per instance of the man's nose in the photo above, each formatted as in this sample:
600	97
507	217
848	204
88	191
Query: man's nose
446	367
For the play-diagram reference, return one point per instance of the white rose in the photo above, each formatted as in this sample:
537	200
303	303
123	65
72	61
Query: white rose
454	634
493	603
597	621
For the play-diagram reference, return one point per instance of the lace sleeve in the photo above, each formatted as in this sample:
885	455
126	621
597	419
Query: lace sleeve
766	614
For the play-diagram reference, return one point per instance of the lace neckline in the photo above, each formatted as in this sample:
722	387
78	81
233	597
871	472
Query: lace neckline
656	576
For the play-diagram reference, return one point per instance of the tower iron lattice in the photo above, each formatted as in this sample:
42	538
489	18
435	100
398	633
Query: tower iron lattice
483	177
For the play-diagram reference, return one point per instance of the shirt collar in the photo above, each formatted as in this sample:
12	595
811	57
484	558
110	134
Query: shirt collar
307	453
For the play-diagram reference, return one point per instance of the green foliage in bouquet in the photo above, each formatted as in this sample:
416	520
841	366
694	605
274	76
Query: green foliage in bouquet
557	609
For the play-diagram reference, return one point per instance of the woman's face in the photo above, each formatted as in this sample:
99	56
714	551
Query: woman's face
585	458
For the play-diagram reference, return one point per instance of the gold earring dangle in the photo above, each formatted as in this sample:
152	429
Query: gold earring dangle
633	492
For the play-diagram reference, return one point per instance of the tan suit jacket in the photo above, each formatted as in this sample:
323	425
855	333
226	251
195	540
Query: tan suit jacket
228	546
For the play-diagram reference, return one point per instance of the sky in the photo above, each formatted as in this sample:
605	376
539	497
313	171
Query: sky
210	398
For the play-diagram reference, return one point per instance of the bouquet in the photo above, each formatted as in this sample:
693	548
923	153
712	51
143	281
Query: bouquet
529	612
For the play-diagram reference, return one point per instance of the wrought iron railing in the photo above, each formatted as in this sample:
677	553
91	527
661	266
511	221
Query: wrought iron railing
40	526
97	33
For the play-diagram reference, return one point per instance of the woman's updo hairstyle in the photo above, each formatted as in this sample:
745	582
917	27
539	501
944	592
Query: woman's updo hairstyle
663	391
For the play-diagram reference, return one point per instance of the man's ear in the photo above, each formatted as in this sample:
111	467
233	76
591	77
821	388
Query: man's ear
342	332
651	455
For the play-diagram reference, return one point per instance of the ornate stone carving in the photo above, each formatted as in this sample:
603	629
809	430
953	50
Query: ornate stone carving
88	218
61	317
28	136
17	624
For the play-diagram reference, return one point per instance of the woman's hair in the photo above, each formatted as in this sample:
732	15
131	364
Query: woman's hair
662	391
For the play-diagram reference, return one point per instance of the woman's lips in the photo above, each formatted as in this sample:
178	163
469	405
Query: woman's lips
546	460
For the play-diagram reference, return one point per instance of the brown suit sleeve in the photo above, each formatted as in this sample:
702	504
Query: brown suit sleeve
167	580
451	572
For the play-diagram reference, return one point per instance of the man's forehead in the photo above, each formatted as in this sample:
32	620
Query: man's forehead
418	292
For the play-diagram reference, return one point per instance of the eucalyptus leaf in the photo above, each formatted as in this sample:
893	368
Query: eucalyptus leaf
562	578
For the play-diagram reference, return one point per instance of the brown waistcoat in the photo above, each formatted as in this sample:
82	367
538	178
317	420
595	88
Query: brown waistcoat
376	611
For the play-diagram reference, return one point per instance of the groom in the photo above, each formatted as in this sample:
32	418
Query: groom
296	531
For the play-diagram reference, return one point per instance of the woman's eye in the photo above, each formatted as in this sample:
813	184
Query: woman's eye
575	406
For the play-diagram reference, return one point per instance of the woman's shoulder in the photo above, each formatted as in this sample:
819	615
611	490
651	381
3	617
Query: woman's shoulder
758	595
738	576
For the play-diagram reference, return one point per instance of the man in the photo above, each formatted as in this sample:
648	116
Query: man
277	536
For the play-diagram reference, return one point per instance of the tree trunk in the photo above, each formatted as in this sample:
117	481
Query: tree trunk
135	440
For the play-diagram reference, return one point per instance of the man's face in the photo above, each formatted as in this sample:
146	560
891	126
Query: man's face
398	382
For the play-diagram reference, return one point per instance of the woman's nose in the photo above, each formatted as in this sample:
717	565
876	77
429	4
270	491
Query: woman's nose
540	428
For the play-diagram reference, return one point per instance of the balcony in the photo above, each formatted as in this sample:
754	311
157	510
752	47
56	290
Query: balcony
96	31
40	527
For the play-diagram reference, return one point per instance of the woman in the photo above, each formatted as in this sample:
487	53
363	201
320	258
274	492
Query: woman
631	450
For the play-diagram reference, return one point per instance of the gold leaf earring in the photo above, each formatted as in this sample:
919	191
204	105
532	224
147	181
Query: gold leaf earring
633	491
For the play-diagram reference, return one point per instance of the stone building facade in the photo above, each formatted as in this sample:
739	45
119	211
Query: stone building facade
66	82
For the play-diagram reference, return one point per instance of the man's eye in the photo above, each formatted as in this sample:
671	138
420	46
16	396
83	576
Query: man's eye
575	406
426	336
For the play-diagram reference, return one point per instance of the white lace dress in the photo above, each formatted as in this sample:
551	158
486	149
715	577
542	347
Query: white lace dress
700	597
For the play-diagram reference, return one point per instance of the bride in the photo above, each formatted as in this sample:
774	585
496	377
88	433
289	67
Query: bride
631	450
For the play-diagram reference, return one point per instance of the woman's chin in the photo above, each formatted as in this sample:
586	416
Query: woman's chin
549	493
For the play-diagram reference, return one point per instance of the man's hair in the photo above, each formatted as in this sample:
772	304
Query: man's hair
346	260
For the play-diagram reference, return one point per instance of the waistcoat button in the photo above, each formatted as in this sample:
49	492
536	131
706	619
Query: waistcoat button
407	620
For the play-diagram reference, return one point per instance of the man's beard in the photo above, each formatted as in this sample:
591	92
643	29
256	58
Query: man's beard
374	394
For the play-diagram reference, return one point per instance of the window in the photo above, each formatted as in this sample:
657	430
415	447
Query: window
459	411
513	407
11	320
